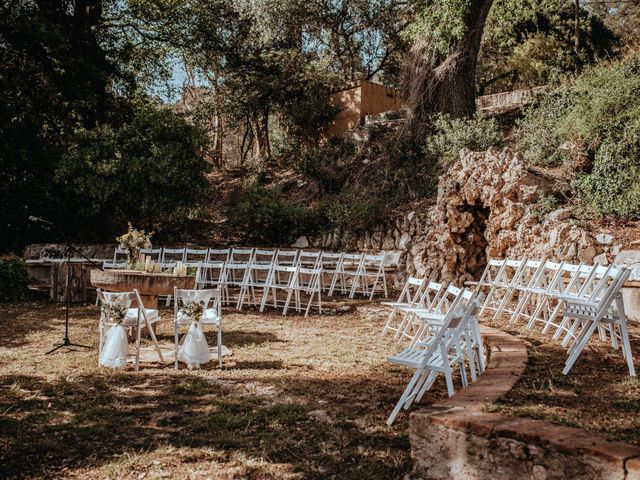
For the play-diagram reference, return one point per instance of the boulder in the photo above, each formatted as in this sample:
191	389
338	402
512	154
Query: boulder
604	238
301	242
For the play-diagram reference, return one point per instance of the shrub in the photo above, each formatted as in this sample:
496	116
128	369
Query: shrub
591	129
450	135
268	219
13	279
351	218
146	171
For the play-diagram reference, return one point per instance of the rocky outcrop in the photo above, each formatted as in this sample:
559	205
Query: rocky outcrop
486	207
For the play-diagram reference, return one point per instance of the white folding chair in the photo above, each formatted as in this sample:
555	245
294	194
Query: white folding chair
195	256
210	275
329	263
218	255
602	308
154	254
369	276
306	284
307	259
282	279
237	258
349	265
408	298
434	357
171	256
135	318
264	257
257	276
287	258
120	257
211	316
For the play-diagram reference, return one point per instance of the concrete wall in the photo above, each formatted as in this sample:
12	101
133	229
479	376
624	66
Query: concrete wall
357	100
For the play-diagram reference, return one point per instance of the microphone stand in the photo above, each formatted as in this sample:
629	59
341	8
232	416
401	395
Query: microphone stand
66	341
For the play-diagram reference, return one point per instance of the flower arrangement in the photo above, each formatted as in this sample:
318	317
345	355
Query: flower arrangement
113	312
132	242
193	310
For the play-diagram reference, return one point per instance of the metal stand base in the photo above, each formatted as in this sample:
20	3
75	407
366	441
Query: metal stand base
65	343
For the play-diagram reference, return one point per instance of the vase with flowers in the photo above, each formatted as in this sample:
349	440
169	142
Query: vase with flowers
132	242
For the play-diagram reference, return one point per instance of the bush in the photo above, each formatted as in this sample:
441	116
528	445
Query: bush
348	219
591	129
147	171
13	279
450	135
268	219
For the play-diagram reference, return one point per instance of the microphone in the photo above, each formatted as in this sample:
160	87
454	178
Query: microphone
38	219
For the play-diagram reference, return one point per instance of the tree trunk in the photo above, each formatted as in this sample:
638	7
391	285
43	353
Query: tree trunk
445	83
577	40
262	143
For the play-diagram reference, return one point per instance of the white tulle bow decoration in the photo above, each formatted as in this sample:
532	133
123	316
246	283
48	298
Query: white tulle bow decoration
116	345
194	350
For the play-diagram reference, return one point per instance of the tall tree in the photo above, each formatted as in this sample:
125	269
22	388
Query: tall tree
441	69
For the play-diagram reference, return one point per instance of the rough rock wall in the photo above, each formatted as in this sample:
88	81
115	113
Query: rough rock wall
486	208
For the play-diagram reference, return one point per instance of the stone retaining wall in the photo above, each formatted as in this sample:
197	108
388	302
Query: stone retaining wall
456	440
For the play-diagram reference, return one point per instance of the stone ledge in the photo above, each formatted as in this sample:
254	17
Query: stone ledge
456	439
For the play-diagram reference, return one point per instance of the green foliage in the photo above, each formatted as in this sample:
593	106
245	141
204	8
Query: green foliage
531	42
268	218
348	218
590	128
13	279
450	135
544	206
146	171
443	21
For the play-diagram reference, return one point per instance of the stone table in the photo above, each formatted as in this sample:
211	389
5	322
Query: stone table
150	285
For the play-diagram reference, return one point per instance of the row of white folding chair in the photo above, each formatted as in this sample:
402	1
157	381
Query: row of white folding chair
423	305
597	308
350	273
426	313
543	289
262	282
449	344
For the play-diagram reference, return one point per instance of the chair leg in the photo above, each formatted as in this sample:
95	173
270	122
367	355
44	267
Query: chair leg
449	380
581	342
626	347
220	345
137	362
176	342
404	396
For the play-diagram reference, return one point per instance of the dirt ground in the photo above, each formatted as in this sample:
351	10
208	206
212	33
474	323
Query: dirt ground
299	398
